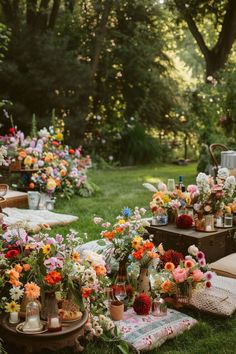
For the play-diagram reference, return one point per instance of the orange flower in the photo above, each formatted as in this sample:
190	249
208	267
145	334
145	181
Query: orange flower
14	277
148	245
189	263
100	270
26	267
18	268
86	292
32	291
169	266
109	235
53	277
22	154
152	254
119	230
75	256
167	286
138	254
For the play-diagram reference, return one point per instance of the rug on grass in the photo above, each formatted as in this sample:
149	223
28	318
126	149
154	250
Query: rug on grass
148	332
36	219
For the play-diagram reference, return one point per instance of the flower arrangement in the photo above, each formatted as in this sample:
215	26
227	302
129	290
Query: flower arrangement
58	168
177	270
144	252
124	233
212	197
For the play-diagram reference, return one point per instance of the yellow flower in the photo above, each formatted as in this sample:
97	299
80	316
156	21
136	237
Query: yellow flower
121	221
166	199
136	242
12	307
51	184
227	209
75	256
46	249
59	136
28	160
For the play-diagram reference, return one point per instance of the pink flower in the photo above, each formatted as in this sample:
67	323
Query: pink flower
180	275
200	255
202	262
192	188
197	275
208	275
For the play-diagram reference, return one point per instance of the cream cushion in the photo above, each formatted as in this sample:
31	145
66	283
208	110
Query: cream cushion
225	266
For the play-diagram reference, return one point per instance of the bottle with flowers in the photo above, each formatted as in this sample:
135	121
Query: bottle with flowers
119	237
146	255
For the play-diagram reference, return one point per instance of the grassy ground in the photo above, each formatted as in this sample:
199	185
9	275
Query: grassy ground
123	187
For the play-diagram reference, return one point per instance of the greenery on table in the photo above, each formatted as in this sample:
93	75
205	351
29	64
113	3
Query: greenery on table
123	187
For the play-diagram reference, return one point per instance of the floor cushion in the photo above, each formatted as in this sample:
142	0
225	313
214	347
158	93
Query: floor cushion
225	266
148	332
220	299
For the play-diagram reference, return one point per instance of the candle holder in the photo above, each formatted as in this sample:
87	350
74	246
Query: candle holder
32	319
54	323
228	220
14	317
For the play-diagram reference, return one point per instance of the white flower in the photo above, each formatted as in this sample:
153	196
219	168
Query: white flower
193	250
99	331
97	220
142	211
16	293
223	173
3	154
94	258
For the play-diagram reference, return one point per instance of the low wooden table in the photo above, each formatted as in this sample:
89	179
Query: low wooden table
30	343
215	244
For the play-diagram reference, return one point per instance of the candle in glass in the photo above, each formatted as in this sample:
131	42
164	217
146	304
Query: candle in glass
14	317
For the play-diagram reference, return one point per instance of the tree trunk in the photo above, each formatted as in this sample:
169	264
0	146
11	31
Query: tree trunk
216	57
54	13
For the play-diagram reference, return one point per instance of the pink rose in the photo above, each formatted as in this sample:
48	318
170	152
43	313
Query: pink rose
180	275
197	275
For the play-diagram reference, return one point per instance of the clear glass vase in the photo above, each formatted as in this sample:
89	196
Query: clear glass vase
183	292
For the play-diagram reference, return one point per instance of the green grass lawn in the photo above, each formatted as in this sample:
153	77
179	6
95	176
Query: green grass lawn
123	187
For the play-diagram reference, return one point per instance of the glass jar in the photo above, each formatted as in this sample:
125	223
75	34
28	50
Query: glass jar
32	318
53	318
14	317
159	306
228	220
209	222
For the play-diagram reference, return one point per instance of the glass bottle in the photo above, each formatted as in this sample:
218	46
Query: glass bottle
181	185
159	306
32	318
53	318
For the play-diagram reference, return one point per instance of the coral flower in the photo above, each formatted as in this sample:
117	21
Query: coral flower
75	256
119	230
18	268
167	286
46	249
189	263
169	266
100	270
180	275
14	277
26	267
197	275
152	255
32	291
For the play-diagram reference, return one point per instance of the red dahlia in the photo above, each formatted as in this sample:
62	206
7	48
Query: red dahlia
184	221
172	256
142	304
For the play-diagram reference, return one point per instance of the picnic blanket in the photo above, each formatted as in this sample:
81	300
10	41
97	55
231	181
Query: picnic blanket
36	219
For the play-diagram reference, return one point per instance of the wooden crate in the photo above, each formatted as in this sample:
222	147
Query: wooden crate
215	244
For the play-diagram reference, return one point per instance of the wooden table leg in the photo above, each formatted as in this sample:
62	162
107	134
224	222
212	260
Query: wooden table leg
78	347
